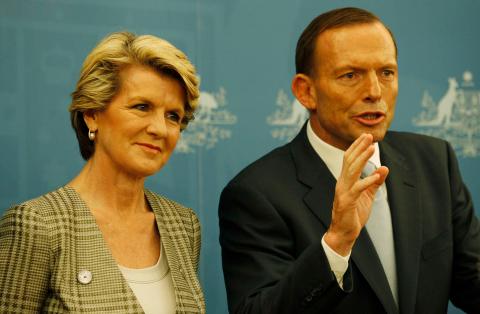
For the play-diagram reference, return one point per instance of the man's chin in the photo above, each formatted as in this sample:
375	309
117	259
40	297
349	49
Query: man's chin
378	135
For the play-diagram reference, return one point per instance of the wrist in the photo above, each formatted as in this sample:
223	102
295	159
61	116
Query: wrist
340	244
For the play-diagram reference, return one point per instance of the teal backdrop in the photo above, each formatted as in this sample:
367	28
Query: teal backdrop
244	53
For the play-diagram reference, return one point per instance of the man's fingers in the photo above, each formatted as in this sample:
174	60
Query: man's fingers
364	138
373	181
356	157
358	163
361	185
383	172
358	146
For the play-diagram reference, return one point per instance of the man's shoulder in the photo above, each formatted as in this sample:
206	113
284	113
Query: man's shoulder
406	140
415	146
410	136
273	164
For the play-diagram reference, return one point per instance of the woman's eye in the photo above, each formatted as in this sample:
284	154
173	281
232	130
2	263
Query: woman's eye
173	116
141	107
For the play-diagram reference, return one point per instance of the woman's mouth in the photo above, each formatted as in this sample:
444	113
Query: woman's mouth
150	147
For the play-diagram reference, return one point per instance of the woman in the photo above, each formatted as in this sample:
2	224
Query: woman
103	243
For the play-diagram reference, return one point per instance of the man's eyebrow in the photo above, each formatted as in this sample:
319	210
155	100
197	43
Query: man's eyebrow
346	68
390	65
352	67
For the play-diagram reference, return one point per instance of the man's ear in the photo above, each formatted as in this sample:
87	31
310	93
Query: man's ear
304	91
90	118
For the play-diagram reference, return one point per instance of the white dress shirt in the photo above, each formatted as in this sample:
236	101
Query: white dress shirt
333	158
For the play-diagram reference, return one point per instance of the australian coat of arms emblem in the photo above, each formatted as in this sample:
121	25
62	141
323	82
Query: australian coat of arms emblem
288	118
455	117
210	124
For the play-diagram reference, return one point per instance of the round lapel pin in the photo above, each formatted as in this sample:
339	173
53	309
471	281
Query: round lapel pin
84	277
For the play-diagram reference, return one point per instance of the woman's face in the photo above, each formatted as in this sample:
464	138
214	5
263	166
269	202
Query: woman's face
140	127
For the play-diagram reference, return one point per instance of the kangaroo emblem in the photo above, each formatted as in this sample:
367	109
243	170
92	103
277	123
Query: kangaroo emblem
455	117
288	118
210	124
297	115
208	104
445	106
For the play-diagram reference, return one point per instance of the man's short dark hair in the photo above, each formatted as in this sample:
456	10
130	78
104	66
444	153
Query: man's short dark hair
304	55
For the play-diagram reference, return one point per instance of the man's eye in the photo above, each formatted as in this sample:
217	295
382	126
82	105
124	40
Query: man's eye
348	76
388	73
141	107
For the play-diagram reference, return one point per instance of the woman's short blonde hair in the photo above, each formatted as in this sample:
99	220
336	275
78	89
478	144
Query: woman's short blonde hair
100	81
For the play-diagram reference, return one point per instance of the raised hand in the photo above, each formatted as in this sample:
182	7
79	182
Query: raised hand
354	196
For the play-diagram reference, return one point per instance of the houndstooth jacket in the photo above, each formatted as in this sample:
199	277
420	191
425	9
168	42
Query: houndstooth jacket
46	242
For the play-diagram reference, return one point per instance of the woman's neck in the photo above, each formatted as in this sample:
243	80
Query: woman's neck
106	188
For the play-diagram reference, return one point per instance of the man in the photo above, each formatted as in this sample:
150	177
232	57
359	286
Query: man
304	231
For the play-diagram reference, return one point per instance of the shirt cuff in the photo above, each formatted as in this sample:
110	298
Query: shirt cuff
338	263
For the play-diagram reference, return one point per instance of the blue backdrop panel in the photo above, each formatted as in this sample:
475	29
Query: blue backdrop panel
244	53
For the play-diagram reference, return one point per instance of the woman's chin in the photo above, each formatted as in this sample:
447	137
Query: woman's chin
143	171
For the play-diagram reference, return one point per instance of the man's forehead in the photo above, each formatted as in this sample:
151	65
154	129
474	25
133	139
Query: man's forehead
352	31
355	42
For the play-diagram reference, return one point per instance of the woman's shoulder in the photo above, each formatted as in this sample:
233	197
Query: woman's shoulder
156	199
166	206
53	203
178	219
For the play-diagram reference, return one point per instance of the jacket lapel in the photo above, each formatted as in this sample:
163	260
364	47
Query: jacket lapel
313	172
175	240
366	259
93	255
407	219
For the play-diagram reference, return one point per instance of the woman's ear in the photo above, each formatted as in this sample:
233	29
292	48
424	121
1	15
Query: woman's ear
304	91
90	118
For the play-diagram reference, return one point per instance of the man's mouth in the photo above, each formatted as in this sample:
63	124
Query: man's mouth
370	118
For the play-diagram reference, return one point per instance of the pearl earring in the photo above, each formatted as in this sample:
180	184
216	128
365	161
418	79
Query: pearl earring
91	135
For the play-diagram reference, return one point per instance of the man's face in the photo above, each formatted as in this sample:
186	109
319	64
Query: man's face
355	83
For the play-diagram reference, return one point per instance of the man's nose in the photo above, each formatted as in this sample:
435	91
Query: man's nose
373	90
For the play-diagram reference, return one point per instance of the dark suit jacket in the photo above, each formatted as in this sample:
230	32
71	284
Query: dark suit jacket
275	212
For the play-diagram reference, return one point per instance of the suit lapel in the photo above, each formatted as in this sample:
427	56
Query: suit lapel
406	218
174	240
313	172
366	259
93	255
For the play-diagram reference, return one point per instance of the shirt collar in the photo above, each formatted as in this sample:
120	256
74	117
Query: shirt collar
332	156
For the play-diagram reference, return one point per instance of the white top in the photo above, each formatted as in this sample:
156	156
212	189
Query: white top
333	158
153	286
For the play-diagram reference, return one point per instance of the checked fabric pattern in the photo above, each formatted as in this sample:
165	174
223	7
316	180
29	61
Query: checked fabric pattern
45	242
